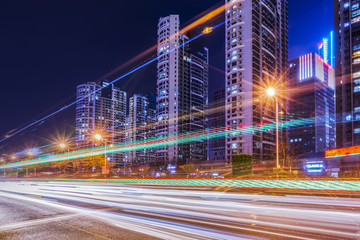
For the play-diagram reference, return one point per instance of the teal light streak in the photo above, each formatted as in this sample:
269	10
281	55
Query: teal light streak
312	185
159	142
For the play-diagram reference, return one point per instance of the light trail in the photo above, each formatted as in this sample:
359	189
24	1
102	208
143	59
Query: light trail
202	20
328	186
159	142
189	27
185	214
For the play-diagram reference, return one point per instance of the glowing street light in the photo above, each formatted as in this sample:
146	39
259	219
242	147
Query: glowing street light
272	93
98	137
62	146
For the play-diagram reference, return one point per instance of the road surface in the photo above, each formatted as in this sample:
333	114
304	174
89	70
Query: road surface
55	210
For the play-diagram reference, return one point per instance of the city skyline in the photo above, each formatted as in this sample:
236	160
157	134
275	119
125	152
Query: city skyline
13	120
209	119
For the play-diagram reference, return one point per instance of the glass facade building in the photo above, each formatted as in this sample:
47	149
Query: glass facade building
217	120
141	126
311	94
347	70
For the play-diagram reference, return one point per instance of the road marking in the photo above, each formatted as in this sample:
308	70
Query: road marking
31	223
36	196
83	230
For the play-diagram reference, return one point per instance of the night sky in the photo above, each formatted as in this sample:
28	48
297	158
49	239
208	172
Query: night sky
49	47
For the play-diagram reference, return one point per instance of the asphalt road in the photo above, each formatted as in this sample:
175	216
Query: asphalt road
55	210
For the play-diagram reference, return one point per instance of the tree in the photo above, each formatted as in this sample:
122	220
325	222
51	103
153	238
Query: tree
189	168
242	164
143	169
60	166
288	157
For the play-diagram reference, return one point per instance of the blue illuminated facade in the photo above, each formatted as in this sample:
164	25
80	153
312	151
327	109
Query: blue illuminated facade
326	49
311	94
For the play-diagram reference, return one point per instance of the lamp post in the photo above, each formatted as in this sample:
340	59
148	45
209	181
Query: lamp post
98	137
62	147
13	157
30	154
272	93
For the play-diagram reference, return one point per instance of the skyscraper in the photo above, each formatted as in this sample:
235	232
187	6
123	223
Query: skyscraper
217	120
182	92
100	111
142	122
311	94
256	53
347	71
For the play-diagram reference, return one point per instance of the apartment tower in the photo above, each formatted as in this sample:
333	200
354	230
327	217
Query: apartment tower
347	71
182	92
256	54
100	108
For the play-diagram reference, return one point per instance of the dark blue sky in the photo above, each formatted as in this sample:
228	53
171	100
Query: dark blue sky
309	22
49	47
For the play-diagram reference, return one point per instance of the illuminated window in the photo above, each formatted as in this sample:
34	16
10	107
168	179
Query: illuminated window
353	7
354	20
355	13
356	75
357	61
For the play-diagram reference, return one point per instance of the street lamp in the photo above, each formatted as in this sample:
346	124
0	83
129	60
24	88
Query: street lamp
30	154
98	137
272	93
62	146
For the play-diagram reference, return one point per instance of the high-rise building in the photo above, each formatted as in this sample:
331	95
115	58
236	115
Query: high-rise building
311	85
326	49
347	71
182	92
142	122
217	120
100	111
256	54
